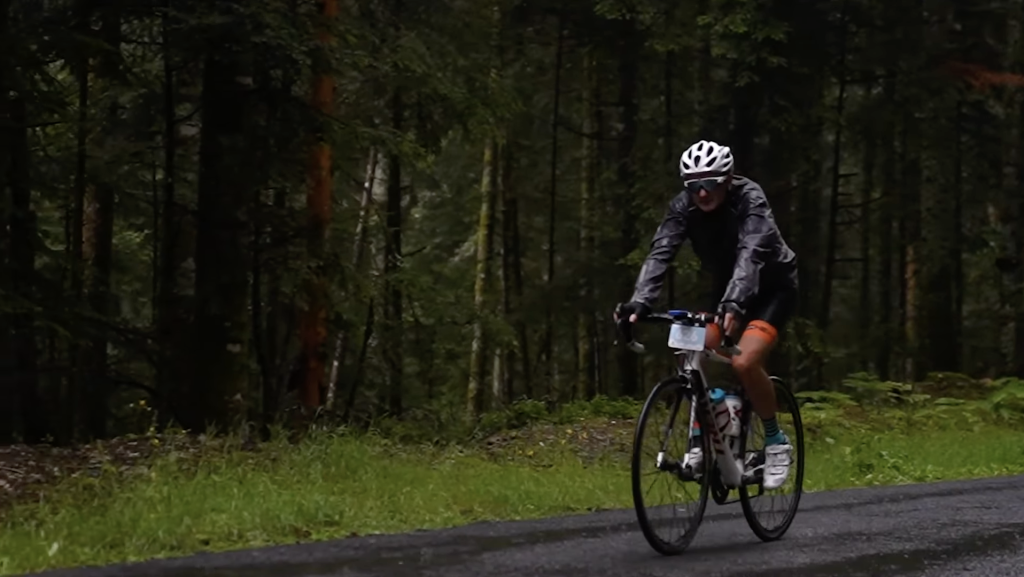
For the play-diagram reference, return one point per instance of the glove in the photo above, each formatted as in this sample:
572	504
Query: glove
728	307
624	310
725	308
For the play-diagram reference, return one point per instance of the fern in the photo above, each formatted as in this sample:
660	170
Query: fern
1008	400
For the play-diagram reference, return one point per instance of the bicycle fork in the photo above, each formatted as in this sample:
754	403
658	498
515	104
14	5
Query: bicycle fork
660	462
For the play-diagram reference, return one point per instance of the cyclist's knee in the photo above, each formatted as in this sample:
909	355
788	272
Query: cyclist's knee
746	364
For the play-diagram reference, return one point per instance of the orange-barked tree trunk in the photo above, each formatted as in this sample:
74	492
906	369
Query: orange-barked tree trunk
318	202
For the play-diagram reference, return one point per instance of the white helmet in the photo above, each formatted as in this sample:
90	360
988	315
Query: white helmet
706	156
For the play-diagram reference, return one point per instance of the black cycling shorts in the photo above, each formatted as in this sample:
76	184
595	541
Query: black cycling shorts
772	307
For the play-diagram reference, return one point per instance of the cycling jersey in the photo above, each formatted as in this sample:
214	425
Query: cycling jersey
738	243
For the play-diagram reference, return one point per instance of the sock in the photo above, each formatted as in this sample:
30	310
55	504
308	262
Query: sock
772	434
694	436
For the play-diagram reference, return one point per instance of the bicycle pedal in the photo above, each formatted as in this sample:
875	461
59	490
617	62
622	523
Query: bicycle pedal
686	474
755	477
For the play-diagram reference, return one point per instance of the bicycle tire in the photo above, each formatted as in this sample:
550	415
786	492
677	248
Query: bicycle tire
650	534
746	499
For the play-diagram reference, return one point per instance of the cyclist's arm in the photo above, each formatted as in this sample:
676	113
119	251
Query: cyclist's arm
666	242
758	243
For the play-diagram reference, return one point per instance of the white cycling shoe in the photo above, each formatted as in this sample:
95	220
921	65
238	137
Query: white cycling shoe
777	461
694	459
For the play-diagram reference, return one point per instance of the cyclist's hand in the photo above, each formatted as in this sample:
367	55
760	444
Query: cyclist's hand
635	310
729	325
729	319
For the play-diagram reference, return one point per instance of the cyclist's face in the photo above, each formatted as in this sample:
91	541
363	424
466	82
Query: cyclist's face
710	195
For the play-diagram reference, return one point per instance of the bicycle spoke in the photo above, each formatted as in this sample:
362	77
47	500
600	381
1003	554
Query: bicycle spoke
769	513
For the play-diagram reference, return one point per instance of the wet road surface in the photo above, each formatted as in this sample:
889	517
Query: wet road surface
971	528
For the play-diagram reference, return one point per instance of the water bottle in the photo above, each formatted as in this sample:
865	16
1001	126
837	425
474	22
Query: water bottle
727	408
735	404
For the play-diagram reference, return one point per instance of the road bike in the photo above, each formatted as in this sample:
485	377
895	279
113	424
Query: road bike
725	428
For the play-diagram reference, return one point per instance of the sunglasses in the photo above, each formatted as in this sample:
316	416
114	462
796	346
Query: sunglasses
708	184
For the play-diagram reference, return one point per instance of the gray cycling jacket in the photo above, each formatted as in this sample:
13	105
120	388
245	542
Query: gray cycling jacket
738	243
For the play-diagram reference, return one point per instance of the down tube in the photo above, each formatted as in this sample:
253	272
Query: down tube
732	473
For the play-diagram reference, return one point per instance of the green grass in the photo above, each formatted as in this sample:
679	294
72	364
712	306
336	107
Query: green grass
326	487
876	459
334	485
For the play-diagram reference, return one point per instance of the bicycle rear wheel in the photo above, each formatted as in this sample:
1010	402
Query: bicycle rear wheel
663	427
770	513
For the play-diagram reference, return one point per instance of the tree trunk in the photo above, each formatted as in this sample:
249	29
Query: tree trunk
10	416
357	379
98	238
257	310
174	375
629	64
281	311
318	205
511	278
886	216
392	268
703	99
358	253
585	326
512	255
938	226
478	356
549	350
825	313
1009	260
98	255
956	245
76	403
746	101
222	318
867	193
22	267
910	225
671	169
498	369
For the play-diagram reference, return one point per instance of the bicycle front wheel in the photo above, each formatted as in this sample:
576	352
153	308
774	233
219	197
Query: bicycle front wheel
669	500
770	513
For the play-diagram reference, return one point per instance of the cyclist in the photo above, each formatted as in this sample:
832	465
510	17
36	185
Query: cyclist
728	220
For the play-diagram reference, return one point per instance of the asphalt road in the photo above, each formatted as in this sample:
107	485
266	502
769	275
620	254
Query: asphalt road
971	528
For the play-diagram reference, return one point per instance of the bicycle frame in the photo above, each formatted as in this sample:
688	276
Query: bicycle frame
688	340
691	362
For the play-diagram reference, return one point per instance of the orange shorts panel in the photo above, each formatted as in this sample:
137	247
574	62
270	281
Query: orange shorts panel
762	330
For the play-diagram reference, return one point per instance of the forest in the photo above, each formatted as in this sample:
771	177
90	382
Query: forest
238	213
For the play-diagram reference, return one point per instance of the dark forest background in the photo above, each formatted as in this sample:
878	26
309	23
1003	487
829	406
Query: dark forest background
234	211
